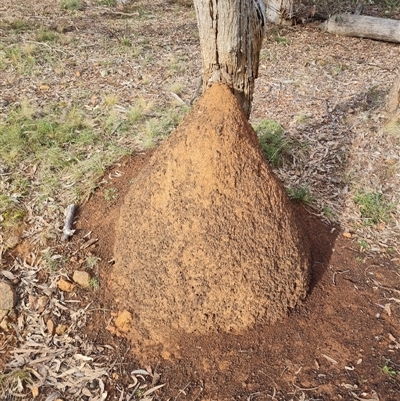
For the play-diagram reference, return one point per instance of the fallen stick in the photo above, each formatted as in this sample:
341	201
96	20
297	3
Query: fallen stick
69	221
362	26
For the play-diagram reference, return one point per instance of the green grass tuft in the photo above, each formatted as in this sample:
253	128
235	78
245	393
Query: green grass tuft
272	142
71	5
300	195
374	207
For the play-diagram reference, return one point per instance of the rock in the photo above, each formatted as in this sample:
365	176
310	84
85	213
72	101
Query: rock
81	278
7	299
123	321
65	285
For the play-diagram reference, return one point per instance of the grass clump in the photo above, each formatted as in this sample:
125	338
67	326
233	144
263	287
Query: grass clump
71	5
92	261
374	207
300	195
273	144
94	283
43	35
20	25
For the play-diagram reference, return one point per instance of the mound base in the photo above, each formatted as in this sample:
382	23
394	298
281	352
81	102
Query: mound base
207	239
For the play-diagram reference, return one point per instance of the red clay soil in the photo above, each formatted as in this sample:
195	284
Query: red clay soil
342	343
207	233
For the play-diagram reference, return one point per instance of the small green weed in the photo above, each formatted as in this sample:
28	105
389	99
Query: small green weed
328	212
374	208
388	370
12	382
271	140
110	194
281	40
300	195
91	261
94	283
363	245
53	262
71	5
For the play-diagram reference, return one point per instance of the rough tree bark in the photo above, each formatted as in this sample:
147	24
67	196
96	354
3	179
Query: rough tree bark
278	11
231	34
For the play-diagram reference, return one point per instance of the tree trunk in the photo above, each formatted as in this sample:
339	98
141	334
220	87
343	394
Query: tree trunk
362	26
279	11
231	34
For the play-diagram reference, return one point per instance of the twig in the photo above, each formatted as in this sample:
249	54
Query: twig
69	221
338	272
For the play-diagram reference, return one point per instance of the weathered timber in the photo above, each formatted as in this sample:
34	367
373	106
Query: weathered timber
231	35
362	26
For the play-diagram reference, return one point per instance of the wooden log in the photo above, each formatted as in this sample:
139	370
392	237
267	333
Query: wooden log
362	26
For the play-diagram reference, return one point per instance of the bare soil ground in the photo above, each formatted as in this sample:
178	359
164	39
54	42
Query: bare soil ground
328	93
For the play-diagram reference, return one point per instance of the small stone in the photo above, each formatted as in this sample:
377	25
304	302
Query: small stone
35	391
51	328
65	285
81	278
123	321
347	235
61	329
7	299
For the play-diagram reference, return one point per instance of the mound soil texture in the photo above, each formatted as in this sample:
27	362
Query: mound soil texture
207	239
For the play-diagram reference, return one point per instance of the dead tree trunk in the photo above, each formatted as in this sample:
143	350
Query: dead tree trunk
363	26
231	34
279	11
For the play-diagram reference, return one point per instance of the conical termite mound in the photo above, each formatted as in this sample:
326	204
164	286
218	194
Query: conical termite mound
207	239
